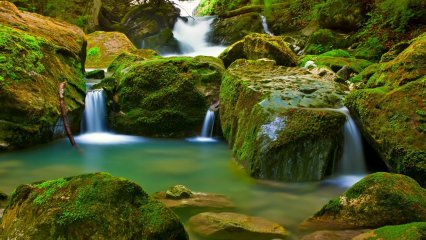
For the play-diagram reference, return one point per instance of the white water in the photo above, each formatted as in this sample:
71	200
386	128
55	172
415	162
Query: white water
95	112
208	125
265	26
353	161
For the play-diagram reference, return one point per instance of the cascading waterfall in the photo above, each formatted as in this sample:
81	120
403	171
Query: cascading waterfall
353	154
95	112
208	125
265	26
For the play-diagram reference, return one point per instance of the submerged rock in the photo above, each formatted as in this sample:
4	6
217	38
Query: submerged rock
92	206
104	47
257	46
162	97
391	110
410	231
377	200
33	62
278	120
234	226
180	197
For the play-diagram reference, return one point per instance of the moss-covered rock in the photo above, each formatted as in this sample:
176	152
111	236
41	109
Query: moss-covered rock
228	225
391	110
324	40
163	42
229	30
81	13
271	114
162	96
217	7
92	206
104	47
257	46
377	200
95	74
410	231
33	62
3	199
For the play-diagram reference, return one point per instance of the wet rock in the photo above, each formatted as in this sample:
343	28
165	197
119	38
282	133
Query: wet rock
164	97
333	235
179	197
377	200
234	226
258	46
33	64
271	114
391	112
104	47
92	206
412	231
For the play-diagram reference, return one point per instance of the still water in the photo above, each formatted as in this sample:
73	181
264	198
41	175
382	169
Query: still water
157	164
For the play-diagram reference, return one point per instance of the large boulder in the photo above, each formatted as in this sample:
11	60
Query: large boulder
234	226
81	13
410	231
104	47
377	200
92	206
33	62
229	30
391	111
257	46
163	96
271	115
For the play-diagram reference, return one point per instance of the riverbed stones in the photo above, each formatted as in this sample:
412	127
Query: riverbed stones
33	62
180	198
391	110
258	46
91	206
234	226
377	200
278	122
103	47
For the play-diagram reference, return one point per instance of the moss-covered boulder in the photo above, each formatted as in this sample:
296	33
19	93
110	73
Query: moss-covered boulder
271	114
377	200
163	96
3	199
228	225
218	7
33	62
257	46
391	110
164	42
410	231
92	206
81	13
103	47
229	30
324	40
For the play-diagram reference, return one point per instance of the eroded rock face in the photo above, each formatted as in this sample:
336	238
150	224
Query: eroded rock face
33	62
103	47
377	200
227	226
257	46
92	206
163	96
271	115
391	111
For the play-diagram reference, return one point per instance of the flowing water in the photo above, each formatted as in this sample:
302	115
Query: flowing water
208	125
95	112
265	26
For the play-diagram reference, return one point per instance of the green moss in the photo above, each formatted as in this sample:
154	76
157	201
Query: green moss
48	188
337	53
336	63
410	231
93	51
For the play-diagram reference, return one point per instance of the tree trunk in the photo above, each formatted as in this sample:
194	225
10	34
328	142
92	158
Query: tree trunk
64	114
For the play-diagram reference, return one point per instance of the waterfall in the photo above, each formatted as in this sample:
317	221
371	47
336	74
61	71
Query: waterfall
353	154
207	131
95	112
265	26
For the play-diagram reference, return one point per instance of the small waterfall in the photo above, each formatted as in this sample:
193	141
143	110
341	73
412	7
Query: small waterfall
207	131
95	112
265	26
352	162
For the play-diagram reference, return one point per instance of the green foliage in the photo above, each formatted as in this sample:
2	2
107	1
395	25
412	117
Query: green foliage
93	51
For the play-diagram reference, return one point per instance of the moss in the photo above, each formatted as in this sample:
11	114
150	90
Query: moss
410	231
324	40
336	63
93	51
49	188
85	206
337	53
